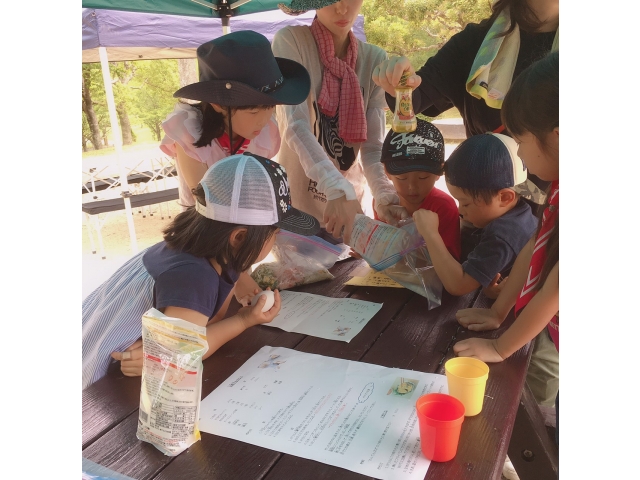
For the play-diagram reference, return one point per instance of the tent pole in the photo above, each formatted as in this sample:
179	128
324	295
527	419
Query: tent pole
117	141
225	25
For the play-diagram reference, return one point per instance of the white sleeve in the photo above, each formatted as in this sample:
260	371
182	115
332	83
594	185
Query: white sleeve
370	152
298	135
313	158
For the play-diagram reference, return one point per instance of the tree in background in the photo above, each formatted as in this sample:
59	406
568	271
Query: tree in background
122	73
154	84
417	29
88	112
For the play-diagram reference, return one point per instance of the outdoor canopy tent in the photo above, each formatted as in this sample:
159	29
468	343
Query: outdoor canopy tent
147	36
196	8
128	33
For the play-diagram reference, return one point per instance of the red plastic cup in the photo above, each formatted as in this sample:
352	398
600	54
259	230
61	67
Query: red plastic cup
440	418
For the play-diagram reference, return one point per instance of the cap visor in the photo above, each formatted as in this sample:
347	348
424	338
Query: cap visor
299	222
400	167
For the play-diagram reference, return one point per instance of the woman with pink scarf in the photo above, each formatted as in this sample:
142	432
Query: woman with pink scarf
331	143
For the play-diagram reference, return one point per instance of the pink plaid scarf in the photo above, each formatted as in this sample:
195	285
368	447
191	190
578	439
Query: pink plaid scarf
340	86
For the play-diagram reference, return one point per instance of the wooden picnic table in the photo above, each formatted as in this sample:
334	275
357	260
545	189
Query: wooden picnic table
403	334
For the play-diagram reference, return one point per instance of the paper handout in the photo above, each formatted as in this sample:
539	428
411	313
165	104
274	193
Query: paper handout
353	415
324	317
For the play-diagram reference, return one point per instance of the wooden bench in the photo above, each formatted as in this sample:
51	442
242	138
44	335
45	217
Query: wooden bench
105	183
93	209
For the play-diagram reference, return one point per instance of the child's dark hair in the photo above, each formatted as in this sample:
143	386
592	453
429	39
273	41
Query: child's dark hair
519	11
213	123
532	103
200	236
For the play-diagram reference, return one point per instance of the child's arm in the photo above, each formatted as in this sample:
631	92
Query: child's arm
453	277
491	318
192	170
218	333
531	321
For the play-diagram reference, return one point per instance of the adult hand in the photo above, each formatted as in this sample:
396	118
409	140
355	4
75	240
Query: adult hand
478	319
339	215
253	315
426	221
391	214
130	360
480	348
388	73
495	287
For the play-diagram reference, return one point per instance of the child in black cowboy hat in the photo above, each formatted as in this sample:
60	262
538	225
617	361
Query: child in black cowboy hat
240	84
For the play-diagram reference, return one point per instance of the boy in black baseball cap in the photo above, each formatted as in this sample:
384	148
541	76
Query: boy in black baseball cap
487	178
414	162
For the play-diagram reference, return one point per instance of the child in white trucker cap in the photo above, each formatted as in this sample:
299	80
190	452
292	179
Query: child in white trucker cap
241	203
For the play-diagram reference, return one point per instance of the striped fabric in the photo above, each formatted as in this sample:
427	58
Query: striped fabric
112	317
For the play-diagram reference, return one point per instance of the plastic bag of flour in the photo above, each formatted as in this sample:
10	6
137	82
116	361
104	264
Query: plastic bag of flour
380	244
400	253
171	382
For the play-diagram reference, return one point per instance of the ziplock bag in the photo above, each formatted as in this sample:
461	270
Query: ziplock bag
299	260
400	253
171	382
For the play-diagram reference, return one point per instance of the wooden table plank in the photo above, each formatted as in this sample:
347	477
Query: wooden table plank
404	334
487	434
100	416
398	346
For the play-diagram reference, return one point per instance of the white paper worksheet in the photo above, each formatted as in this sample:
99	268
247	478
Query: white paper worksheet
353	415
324	317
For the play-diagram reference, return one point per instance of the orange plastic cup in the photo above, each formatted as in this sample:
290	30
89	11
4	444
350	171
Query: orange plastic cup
440	418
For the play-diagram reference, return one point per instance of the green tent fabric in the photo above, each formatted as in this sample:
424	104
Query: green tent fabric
183	7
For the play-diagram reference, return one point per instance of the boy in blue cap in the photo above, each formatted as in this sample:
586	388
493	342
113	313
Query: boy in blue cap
487	178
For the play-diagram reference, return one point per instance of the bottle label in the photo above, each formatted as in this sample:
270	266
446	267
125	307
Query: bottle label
405	107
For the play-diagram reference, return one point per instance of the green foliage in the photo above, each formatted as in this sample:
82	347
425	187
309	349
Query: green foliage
143	88
416	29
154	84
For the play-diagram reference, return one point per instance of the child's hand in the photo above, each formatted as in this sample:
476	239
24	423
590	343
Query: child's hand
426	221
130	360
245	300
391	214
495	287
478	319
354	254
480	348
253	315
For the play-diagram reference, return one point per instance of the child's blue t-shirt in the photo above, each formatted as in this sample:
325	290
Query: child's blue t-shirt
157	277
500	243
182	280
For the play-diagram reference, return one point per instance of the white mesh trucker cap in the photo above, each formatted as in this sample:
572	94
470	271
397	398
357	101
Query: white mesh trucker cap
248	189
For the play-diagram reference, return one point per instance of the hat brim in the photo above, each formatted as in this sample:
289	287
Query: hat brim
398	167
297	7
293	91
299	222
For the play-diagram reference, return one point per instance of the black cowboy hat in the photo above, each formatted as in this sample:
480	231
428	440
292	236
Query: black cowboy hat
239	69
